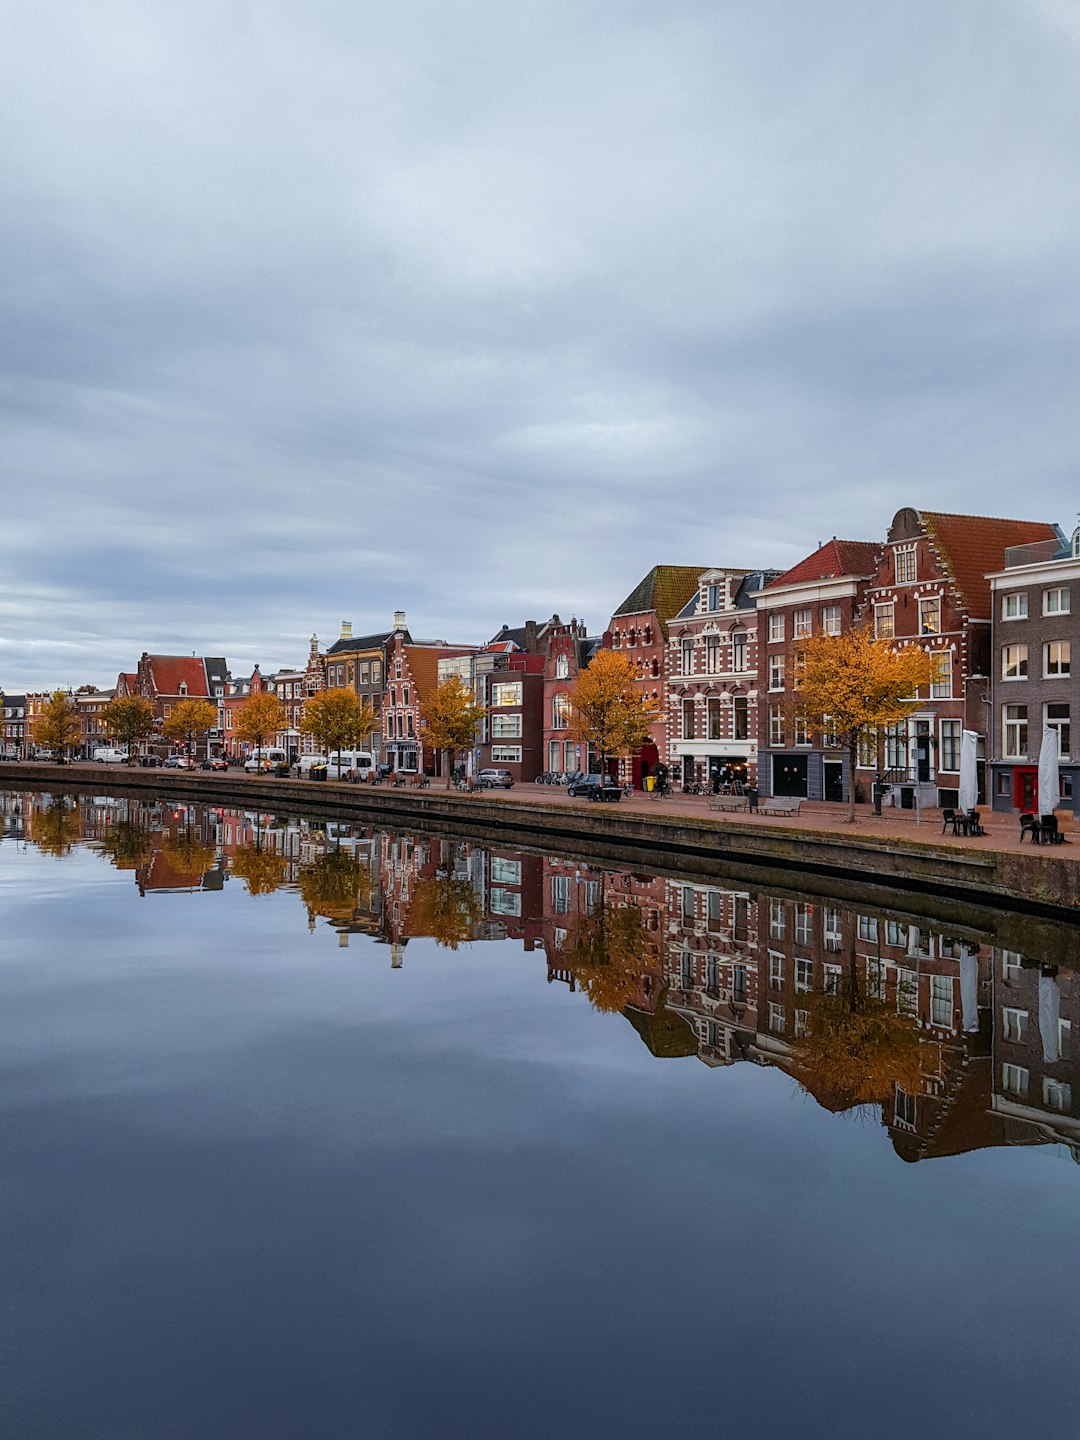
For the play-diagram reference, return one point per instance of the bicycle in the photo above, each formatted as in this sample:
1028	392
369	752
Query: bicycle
628	789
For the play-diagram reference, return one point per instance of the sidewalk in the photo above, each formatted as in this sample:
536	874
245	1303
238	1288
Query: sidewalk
1003	831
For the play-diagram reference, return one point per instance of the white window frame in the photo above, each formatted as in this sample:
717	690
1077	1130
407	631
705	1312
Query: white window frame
906	564
1057	666
1014	662
776	628
832	619
1057	601
885	610
505	754
1014	605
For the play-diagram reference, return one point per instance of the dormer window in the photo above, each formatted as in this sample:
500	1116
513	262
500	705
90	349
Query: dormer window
1076	543
182	690
714	597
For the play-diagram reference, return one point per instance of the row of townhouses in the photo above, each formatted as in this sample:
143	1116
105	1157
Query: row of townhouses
726	974
713	651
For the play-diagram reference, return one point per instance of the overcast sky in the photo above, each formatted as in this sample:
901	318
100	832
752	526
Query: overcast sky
316	311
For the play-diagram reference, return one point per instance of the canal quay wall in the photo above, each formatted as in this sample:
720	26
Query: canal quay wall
1037	880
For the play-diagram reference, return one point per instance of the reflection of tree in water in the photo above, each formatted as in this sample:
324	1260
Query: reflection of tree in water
126	843
854	1048
190	856
55	828
261	870
335	886
445	907
608	951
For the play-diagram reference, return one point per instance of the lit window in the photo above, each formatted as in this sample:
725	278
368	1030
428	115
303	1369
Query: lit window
884	621
930	616
941	678
1014	662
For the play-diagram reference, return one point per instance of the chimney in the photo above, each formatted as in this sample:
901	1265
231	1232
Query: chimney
346	630
530	636
399	619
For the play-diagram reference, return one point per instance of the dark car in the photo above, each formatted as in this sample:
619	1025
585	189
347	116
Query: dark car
150	762
596	787
216	762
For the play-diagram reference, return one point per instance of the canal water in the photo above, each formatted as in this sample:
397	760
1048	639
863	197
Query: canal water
314	1130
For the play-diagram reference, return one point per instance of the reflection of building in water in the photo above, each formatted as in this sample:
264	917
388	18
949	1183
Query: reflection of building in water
711	967
1036	1088
702	969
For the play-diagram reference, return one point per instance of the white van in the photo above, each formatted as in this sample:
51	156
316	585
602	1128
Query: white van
355	764
109	755
265	760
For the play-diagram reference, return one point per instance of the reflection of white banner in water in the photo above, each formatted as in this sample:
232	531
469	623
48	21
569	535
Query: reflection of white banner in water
1049	1016
969	992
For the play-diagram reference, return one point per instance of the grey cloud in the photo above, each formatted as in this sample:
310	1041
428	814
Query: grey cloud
479	313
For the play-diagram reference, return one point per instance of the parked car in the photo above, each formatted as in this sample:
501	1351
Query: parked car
150	762
596	787
216	762
109	755
495	779
179	762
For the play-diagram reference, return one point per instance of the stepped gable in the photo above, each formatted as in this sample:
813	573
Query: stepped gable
830	561
663	592
970	547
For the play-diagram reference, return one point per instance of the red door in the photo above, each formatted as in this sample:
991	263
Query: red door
1026	790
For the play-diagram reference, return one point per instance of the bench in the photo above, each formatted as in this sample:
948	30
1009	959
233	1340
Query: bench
728	802
779	805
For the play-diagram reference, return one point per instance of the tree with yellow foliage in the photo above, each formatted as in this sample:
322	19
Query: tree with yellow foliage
262	871
445	907
59	726
335	886
607	712
450	717
190	718
852	685
855	1048
127	719
259	717
54	828
608	950
338	720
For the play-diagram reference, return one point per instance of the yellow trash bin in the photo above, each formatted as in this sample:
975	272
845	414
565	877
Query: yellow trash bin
650	782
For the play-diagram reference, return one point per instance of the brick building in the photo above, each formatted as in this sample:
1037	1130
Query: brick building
165	680
1036	621
822	595
358	663
639	629
712	679
567	651
930	589
412	676
13	731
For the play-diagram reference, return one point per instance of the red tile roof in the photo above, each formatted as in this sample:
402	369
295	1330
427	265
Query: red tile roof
830	561
970	547
170	670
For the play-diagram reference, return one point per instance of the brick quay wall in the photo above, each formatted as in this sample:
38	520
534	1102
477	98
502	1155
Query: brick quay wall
858	865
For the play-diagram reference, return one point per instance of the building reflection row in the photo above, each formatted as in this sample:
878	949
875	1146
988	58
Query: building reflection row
730	976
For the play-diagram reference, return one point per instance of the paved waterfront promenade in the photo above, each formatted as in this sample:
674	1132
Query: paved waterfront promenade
1003	831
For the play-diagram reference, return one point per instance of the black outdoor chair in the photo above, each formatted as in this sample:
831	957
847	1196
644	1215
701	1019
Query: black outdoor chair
973	825
1051	831
950	817
1029	826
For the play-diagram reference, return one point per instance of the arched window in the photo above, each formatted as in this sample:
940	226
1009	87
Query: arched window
1076	543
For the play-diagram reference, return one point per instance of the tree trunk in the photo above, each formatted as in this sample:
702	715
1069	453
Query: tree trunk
853	755
449	767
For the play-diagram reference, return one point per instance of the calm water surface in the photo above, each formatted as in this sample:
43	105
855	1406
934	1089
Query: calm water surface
328	1132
